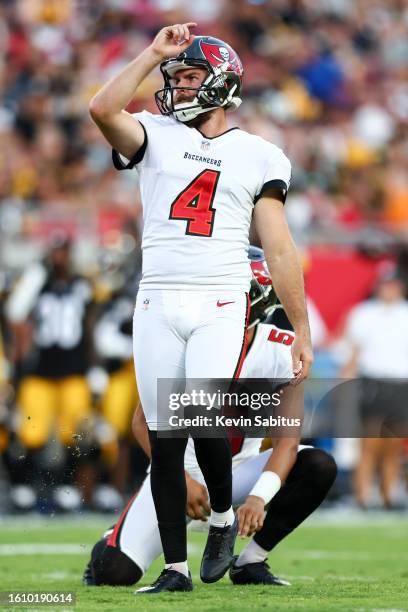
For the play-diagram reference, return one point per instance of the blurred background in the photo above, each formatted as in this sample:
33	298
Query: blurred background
326	80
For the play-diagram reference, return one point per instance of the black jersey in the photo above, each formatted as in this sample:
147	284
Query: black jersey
59	327
113	332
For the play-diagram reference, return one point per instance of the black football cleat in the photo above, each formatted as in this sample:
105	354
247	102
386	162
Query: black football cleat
170	581
219	552
87	578
255	573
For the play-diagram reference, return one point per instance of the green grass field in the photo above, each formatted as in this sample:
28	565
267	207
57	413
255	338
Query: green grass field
353	566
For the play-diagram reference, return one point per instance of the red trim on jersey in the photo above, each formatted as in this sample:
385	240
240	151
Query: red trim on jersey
237	442
114	536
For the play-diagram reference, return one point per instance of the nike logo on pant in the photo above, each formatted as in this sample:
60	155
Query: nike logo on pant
224	303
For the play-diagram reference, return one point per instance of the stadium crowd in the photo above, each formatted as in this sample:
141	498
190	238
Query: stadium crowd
325	80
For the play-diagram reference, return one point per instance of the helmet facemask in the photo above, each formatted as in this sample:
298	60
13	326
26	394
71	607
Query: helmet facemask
262	295
216	91
263	302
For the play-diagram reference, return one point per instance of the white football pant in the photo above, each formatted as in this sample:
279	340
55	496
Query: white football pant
185	335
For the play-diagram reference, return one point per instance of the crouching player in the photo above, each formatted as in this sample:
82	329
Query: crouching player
291	478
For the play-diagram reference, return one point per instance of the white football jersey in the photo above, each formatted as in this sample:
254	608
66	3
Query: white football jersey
198	196
270	357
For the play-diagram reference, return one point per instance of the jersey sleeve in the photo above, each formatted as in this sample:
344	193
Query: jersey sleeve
123	163
280	366
276	177
24	295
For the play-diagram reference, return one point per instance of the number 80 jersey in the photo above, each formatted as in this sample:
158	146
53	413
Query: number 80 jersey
198	196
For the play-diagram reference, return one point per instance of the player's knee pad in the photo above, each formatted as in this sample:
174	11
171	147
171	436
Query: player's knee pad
112	567
318	465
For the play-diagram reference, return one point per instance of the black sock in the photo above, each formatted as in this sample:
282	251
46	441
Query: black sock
169	492
306	487
215	461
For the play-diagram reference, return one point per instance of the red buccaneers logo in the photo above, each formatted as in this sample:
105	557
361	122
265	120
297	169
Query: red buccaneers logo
217	55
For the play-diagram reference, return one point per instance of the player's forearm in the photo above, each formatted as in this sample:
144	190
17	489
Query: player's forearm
283	457
140	431
275	472
350	368
116	94
283	262
287	276
144	443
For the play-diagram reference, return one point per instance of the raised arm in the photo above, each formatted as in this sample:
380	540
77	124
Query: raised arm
120	129
286	271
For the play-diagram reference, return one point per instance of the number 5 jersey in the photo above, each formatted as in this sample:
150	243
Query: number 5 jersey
198	196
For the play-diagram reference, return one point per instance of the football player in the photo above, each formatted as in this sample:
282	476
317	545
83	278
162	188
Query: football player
200	184
48	311
127	550
113	343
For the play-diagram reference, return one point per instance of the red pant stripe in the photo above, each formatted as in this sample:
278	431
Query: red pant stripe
114	536
237	442
244	341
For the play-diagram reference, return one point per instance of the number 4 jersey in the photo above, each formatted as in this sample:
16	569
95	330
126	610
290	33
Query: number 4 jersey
198	196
